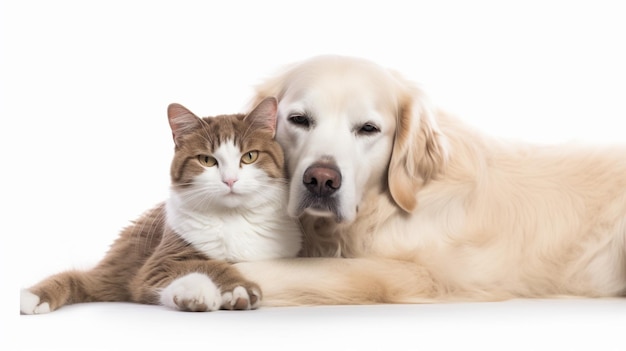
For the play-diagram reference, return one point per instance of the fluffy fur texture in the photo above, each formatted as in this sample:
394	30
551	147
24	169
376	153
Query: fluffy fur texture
412	205
227	204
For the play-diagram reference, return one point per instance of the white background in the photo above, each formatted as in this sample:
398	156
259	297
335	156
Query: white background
86	145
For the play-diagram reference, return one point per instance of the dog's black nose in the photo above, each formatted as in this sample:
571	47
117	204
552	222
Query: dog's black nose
322	179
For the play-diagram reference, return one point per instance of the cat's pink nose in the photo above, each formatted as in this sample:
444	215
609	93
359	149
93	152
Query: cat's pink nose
230	182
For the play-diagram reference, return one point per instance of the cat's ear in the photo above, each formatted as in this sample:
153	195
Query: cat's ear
263	116
181	121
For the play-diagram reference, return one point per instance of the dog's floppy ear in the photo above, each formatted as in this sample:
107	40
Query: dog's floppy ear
419	151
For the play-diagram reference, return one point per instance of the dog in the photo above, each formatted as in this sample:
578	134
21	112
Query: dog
403	203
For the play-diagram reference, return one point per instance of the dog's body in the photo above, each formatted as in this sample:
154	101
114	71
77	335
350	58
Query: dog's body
422	208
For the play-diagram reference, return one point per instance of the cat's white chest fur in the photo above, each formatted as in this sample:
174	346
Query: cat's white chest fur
240	234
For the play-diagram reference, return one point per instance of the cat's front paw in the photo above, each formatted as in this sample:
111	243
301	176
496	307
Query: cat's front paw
31	303
193	292
246	296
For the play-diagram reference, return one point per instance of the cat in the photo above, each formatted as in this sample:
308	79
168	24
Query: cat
227	204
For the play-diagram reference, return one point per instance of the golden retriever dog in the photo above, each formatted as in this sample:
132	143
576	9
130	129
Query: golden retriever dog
401	203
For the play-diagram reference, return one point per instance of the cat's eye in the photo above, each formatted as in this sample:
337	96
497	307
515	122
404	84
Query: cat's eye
207	160
250	157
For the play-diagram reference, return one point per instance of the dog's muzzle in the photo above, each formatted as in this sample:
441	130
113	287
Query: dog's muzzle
322	180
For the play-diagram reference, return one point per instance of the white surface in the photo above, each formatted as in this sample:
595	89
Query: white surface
512	325
86	147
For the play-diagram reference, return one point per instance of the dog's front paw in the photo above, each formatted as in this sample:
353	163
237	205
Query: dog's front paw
193	292
245	296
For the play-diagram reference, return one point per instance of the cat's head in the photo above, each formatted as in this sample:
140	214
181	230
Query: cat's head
227	160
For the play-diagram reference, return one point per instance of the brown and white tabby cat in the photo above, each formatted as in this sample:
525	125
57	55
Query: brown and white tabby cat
227	204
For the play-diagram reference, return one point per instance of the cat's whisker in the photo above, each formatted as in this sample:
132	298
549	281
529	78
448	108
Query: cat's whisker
245	132
206	134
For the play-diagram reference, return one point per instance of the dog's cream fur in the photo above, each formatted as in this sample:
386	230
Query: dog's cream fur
432	210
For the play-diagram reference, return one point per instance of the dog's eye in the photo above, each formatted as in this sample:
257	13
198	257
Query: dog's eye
368	128
300	120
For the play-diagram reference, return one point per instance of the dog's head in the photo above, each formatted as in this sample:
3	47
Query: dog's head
348	127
